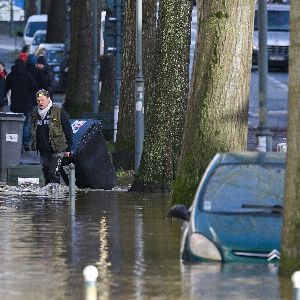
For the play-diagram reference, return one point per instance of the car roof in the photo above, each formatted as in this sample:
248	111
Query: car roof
52	46
36	18
278	7
250	157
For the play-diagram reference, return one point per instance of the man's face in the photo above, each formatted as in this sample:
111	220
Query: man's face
40	66
42	101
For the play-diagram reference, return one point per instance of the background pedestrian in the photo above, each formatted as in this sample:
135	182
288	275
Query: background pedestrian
24	53
3	96
44	77
22	86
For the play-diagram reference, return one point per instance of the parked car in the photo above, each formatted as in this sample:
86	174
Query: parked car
54	54
278	35
38	38
34	23
236	214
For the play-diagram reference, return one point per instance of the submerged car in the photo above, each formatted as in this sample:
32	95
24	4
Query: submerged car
237	211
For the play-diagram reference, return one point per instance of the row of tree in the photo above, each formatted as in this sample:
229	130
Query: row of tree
187	123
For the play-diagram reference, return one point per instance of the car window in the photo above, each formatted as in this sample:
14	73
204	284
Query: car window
242	188
54	56
277	20
34	26
38	39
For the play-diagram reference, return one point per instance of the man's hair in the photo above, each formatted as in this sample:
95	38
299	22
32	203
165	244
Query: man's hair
42	92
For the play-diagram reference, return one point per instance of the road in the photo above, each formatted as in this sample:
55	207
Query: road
277	90
277	100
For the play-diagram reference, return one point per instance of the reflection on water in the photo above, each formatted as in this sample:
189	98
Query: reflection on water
46	243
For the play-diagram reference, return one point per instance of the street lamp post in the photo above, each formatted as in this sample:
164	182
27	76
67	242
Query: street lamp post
264	134
38	6
12	29
95	57
139	88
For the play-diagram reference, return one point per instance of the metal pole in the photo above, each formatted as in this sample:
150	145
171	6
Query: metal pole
68	26
118	70
95	58
264	134
139	88
296	285
90	274
12	18
38	7
71	182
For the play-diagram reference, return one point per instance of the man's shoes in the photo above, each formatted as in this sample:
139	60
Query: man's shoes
26	148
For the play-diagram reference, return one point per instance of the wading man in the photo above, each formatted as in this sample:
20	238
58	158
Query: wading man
51	135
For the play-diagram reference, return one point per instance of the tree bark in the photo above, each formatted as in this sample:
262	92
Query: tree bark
56	22
30	8
80	79
45	6
167	106
290	251
125	143
107	78
217	109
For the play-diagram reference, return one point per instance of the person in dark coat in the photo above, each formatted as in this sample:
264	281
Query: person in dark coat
31	68
31	64
22	86
44	77
3	96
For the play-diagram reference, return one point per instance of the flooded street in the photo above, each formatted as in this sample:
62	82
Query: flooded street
46	243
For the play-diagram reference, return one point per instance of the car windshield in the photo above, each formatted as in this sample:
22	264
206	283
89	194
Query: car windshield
278	20
54	56
244	188
39	38
34	26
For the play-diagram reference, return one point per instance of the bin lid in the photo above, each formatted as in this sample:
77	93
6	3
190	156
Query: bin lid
10	116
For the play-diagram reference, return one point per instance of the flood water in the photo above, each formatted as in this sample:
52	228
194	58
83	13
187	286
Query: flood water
46	242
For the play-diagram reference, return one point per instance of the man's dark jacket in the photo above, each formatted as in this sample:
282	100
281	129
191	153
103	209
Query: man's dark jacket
22	86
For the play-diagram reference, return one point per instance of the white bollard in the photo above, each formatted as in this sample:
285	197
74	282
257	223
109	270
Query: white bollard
296	285
90	274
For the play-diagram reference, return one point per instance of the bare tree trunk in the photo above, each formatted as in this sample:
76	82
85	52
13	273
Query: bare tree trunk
45	6
217	109
125	143
80	83
107	78
166	111
56	22
290	256
30	8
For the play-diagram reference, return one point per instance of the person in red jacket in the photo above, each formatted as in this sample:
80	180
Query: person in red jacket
24	53
3	97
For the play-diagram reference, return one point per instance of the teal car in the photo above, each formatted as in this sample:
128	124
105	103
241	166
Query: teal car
237	211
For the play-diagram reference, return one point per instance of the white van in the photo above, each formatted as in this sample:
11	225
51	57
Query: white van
278	35
34	23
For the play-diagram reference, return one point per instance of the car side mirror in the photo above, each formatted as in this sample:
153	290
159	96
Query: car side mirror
179	211
19	33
